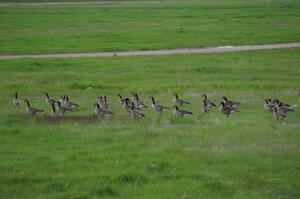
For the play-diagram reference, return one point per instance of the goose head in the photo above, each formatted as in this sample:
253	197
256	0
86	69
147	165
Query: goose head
176	107
46	94
224	99
152	98
27	102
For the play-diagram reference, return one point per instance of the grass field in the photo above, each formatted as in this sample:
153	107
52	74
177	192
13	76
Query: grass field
249	155
144	25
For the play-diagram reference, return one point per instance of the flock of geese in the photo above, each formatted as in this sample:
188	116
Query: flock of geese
135	105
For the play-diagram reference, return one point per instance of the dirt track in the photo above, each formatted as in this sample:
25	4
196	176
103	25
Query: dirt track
220	49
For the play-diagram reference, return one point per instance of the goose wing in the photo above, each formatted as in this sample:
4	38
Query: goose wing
186	112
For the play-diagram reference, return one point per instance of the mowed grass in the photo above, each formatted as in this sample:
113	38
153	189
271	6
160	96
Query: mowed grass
249	155
144	25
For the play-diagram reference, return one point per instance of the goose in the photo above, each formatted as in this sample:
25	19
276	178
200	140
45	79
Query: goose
209	103
126	104
48	99
62	109
31	110
123	100
228	102
103	102
62	99
68	103
138	102
180	113
158	107
16	101
136	113
226	109
284	108
278	113
277	101
205	107
269	105
100	99
179	102
54	113
101	112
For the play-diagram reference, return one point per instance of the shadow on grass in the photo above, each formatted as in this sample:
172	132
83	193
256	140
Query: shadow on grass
48	119
70	118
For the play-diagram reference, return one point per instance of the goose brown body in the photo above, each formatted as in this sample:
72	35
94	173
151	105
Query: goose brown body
158	107
179	102
100	112
180	113
32	110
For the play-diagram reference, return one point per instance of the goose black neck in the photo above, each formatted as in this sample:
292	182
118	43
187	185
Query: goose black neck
53	107
153	101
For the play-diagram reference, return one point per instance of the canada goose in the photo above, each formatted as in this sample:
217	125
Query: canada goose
226	109
277	101
100	99
180	113
48	99
138	102
103	102
62	99
68	103
31	110
228	102
126	104
16	100
278	113
54	113
205	107
101	112
269	105
136	113
123	100
209	103
158	107
62	109
284	108
179	102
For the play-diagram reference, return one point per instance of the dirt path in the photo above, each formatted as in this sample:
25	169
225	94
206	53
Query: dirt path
220	49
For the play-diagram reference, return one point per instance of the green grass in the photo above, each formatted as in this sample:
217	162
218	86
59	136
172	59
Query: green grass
249	155
143	25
